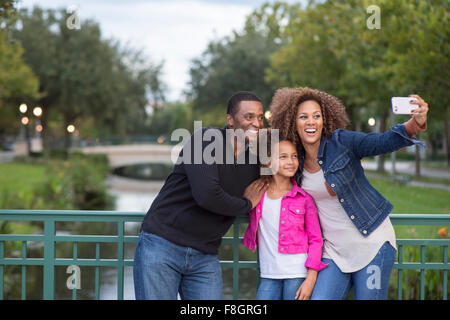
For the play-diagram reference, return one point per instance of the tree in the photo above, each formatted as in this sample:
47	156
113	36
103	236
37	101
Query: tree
238	62
18	84
331	47
420	59
85	77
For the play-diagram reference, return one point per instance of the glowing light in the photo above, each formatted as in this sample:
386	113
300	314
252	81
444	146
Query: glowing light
371	122
70	128
39	128
23	108
37	111
268	115
25	120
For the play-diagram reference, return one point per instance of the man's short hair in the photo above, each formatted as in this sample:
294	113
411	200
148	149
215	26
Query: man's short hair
235	100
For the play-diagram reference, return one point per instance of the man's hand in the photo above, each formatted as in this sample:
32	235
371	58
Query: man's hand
255	191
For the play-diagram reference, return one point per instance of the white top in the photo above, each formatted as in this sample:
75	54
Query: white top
273	264
343	243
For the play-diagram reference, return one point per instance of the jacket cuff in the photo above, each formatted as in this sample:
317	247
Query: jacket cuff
316	265
412	128
400	129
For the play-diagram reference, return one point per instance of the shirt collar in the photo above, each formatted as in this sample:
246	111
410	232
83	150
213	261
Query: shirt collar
295	189
323	142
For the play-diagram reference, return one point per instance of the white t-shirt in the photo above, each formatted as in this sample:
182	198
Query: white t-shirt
343	243
273	264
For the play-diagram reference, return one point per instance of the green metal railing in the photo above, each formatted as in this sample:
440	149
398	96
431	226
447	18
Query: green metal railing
50	238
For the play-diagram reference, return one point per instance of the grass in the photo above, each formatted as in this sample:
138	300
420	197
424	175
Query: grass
414	200
20	177
411	177
17	183
408	199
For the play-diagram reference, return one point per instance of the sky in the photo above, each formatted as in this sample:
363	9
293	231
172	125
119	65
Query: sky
173	31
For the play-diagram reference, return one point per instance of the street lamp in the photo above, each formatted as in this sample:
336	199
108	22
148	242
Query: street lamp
37	111
25	120
23	108
70	128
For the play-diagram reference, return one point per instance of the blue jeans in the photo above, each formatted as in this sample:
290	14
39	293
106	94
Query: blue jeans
163	269
278	289
369	283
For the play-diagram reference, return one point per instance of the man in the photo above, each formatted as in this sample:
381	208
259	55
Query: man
182	231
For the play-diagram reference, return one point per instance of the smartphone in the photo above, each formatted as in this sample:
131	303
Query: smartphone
402	105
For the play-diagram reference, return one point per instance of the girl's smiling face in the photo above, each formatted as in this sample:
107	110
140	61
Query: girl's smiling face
287	159
309	122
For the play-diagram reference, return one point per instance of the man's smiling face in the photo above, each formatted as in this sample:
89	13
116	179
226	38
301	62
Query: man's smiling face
249	118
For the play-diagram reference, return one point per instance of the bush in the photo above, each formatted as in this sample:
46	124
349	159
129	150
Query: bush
75	183
433	289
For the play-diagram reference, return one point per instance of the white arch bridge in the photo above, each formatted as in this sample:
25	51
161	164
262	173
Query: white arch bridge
124	155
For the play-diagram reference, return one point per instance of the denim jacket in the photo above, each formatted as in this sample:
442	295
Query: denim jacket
340	157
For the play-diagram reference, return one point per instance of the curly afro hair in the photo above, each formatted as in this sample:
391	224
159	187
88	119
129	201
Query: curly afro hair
284	108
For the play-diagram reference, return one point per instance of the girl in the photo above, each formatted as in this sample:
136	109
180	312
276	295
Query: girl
286	228
359	240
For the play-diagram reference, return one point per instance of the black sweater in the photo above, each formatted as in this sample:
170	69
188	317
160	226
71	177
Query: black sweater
199	202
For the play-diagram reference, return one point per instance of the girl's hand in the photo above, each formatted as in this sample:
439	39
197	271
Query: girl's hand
306	288
419	114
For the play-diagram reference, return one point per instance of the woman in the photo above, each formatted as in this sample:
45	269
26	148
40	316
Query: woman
359	240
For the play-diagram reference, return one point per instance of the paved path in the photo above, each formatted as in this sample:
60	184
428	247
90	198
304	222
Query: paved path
7	156
408	167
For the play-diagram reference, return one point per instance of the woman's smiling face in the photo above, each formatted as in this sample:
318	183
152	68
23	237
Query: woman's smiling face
309	122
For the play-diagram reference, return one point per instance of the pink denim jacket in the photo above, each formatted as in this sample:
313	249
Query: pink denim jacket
299	230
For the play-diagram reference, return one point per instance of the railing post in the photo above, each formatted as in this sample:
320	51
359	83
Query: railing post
422	273
77	275
400	272
120	264
24	271
236	261
444	284
49	259
2	269
97	271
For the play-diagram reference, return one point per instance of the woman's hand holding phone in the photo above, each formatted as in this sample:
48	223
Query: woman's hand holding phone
420	113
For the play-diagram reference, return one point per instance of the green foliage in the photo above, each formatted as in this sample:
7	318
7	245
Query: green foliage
17	83
330	47
88	81
238	62
172	116
74	183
